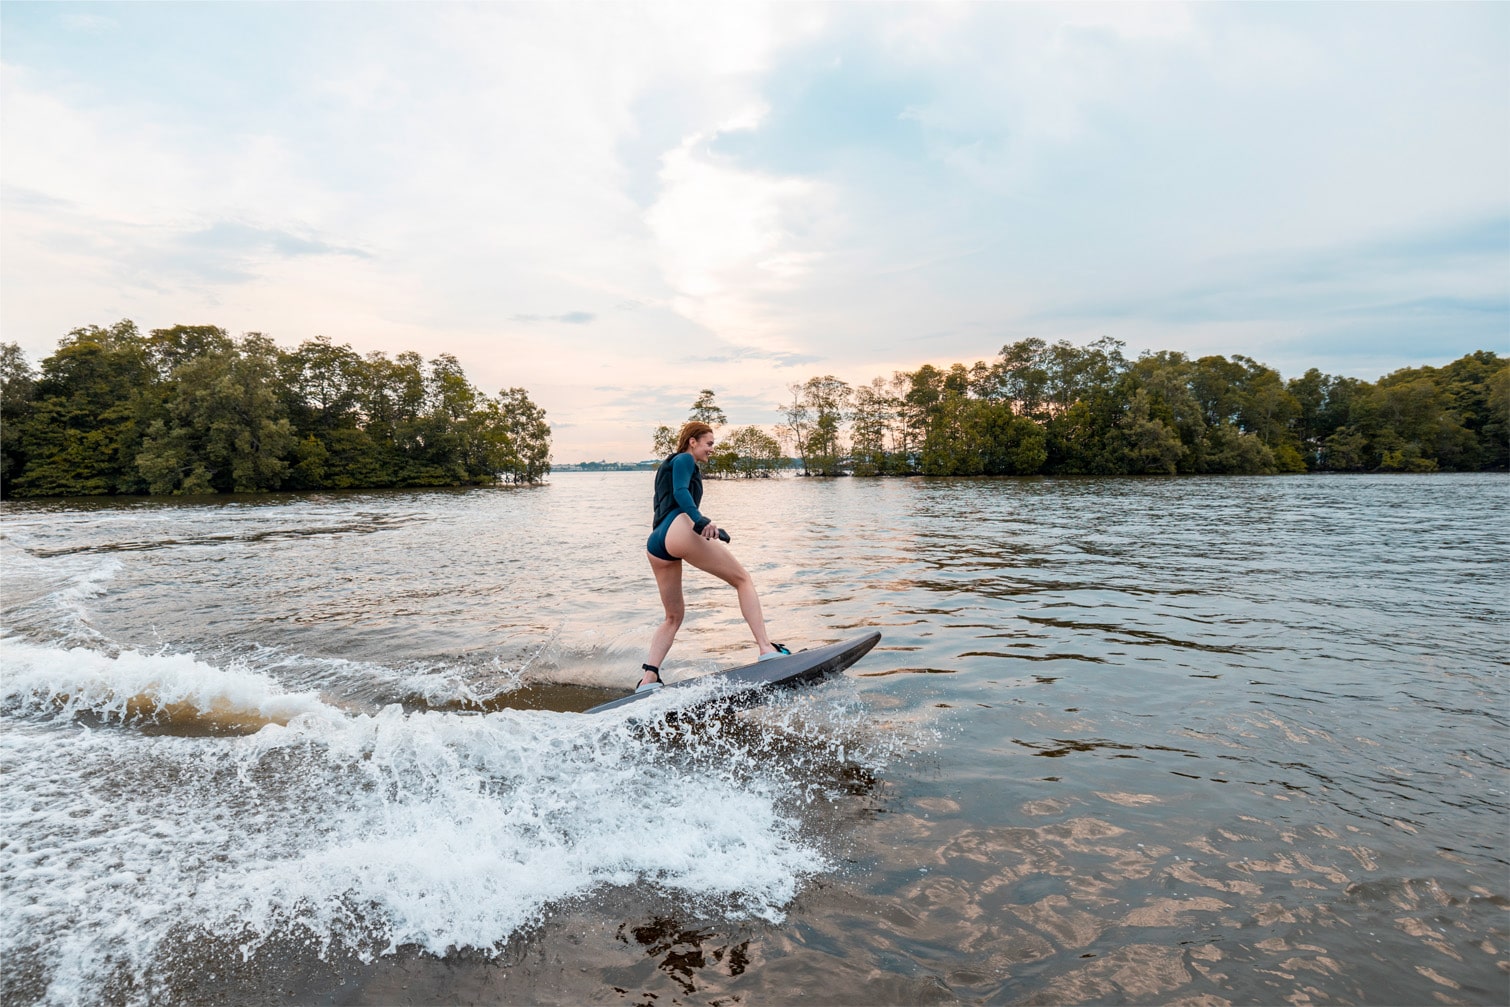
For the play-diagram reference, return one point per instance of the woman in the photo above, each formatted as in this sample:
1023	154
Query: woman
682	533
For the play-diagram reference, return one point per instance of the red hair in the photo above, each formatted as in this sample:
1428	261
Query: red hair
691	431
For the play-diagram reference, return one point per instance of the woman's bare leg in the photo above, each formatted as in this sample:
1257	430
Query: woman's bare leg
668	580
717	559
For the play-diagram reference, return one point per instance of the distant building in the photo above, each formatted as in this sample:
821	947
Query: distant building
607	466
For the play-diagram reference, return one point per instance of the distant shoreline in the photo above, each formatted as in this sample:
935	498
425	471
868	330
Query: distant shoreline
796	470
224	499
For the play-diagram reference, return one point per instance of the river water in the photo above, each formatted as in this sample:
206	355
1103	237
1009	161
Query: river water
1193	741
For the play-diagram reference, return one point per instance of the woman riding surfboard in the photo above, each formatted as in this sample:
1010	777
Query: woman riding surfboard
683	533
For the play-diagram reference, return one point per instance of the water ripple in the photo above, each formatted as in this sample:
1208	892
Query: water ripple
1198	740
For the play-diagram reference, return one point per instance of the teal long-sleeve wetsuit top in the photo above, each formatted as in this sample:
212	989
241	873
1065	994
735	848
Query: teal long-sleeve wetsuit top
678	490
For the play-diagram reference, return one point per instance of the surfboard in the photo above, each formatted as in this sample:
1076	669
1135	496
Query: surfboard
749	683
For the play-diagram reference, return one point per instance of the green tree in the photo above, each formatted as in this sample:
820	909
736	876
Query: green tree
92	402
18	387
874	410
705	410
1309	392
1078	374
323	385
391	399
755	453
225	430
1008	444
1226	450
723	463
1085	404
1345	450
1413	425
662	442
1496	431
948	449
1267	409
168	349
1216	383
190	410
1021	376
919	406
1468	383
435	443
828	400
1150	445
1166	380
528	437
797	428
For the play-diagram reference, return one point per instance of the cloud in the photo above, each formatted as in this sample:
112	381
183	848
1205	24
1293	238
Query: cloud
569	318
745	195
779	358
90	24
30	199
728	238
235	238
1450	271
230	251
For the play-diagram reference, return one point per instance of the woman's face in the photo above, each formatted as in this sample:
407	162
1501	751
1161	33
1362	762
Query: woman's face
701	448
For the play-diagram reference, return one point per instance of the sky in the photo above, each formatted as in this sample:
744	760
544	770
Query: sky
615	205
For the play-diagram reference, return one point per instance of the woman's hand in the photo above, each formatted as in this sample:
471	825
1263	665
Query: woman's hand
710	531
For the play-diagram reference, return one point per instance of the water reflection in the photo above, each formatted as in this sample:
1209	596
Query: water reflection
682	954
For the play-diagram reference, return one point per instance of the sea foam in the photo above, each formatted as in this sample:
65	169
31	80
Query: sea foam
135	686
436	830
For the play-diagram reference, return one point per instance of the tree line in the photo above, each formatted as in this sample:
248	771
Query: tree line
192	410
1061	409
747	452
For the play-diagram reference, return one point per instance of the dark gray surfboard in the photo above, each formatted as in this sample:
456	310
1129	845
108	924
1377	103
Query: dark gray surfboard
745	685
